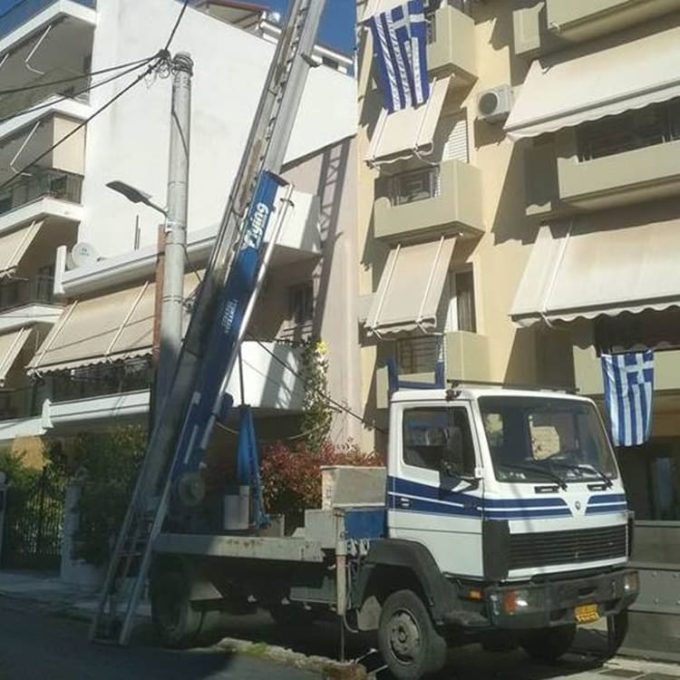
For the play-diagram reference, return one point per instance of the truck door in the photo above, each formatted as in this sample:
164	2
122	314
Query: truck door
433	496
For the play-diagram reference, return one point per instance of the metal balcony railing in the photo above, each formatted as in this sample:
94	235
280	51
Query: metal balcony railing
19	292
25	10
40	184
102	380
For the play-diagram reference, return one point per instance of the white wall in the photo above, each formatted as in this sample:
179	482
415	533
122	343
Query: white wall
129	141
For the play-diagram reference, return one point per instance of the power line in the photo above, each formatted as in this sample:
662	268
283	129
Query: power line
329	399
89	88
176	26
49	83
160	58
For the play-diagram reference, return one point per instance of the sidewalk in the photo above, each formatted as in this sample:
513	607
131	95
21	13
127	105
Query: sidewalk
48	590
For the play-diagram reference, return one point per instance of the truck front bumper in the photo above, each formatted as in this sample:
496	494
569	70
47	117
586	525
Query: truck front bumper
561	601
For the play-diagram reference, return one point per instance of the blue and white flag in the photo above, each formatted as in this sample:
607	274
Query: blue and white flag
628	391
400	47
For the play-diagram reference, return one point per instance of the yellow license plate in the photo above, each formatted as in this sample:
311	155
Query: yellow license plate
587	613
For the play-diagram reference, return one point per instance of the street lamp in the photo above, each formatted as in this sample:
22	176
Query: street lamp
135	195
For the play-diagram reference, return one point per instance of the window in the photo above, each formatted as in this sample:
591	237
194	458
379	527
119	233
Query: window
651	475
647	330
656	124
539	439
301	303
429	432
457	309
419	355
415	185
451	138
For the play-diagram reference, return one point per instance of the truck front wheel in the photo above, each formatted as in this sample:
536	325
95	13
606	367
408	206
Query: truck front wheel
548	644
408	640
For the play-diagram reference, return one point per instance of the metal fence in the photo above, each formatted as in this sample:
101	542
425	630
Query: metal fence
34	522
41	183
18	292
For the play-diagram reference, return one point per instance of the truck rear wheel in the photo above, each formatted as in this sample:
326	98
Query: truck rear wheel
408	640
177	623
548	644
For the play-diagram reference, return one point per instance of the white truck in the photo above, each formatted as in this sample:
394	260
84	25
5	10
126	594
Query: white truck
501	518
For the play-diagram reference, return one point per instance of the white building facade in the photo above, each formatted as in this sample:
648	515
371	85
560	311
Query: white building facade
75	341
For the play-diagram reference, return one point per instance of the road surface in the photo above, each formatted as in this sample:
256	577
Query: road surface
38	645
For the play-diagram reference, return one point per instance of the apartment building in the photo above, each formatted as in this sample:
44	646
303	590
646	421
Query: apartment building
78	261
525	220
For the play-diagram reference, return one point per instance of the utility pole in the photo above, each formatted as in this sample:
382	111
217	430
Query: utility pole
172	296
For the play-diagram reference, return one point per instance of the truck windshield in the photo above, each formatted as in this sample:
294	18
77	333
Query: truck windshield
532	439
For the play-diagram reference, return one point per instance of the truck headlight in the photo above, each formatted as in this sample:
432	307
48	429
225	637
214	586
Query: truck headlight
516	601
631	582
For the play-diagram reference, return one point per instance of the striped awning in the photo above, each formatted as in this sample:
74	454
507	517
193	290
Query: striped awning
603	264
102	329
410	131
10	346
592	81
13	247
410	289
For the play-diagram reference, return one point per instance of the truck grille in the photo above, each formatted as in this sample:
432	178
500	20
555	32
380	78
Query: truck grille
567	547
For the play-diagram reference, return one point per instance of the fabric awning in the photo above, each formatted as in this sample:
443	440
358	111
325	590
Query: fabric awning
102	329
10	346
578	85
410	288
401	134
604	264
13	247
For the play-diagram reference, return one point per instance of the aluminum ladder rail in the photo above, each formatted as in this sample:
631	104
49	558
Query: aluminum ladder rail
265	151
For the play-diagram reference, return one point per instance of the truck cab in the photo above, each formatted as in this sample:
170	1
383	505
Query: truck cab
510	507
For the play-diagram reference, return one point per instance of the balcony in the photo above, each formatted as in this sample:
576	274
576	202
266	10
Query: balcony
26	10
550	25
445	199
120	391
43	193
17	293
588	372
466	357
451	46
564	176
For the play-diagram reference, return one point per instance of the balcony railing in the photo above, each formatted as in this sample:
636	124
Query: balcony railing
25	10
102	380
17	293
41	183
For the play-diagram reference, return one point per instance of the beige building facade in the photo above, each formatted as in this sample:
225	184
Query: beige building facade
526	219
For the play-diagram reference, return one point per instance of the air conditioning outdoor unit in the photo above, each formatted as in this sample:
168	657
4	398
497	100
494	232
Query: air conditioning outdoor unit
494	105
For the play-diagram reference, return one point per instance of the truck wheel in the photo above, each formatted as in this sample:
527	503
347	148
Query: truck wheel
410	644
176	621
548	644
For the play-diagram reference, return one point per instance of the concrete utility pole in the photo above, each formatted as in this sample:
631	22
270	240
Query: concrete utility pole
172	305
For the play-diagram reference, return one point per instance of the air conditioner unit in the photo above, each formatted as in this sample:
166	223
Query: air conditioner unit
494	105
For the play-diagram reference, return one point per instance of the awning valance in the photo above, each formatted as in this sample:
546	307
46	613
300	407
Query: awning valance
605	264
582	84
10	346
102	329
401	134
13	247
410	288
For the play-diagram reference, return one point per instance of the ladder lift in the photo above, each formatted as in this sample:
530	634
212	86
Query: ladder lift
227	295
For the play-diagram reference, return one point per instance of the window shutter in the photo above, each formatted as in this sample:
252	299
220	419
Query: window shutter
456	146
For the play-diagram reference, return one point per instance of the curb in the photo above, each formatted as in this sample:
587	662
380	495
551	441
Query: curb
330	669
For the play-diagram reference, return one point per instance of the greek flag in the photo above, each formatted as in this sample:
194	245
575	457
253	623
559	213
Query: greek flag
400	41
628	389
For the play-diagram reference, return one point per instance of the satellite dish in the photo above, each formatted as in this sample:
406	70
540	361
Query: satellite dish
81	255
